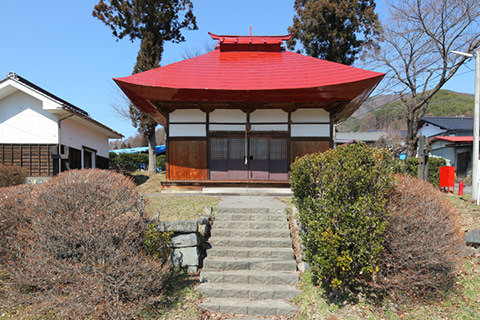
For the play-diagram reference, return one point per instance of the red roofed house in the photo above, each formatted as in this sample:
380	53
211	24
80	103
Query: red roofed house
243	112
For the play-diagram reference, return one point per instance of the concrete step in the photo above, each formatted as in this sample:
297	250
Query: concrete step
251	242
250	217
257	210
259	264
268	253
232	225
250	291
256	233
252	277
249	307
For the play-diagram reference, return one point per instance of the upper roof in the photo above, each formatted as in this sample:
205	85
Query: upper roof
454	138
450	123
255	70
65	105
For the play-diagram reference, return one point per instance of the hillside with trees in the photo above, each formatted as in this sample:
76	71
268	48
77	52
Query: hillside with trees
375	114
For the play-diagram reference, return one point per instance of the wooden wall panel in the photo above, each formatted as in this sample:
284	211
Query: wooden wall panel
37	159
302	147
187	160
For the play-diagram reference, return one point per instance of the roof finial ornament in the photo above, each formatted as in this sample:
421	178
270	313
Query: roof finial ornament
13	75
250	31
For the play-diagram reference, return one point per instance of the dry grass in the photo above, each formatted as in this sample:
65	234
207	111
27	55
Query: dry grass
147	182
173	207
168	205
468	210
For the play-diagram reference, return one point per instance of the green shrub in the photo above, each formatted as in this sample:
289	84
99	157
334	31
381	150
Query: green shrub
127	162
410	167
12	175
341	196
157	243
422	241
161	161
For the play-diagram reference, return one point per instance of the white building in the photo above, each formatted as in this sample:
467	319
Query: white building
46	134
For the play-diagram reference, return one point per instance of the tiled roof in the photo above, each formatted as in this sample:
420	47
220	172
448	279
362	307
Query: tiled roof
450	123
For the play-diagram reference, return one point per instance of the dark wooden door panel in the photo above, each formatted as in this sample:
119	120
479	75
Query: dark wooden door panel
301	148
187	160
267	158
278	170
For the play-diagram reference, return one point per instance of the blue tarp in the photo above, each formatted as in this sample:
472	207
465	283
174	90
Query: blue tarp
159	150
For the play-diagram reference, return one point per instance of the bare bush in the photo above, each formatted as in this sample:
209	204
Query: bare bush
422	241
12	175
82	255
13	204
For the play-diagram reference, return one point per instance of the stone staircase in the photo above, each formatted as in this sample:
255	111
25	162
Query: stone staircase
250	268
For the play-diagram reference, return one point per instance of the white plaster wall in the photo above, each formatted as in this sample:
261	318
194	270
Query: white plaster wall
269	115
310	130
77	136
9	86
187	130
228	115
187	115
430	130
227	127
310	115
269	127
23	120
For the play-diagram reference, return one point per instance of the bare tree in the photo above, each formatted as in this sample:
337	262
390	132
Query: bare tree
189	53
416	46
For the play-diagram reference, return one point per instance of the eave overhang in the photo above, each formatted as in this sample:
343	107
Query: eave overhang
250	79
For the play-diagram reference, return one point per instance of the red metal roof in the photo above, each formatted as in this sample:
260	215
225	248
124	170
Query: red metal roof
249	70
454	138
230	39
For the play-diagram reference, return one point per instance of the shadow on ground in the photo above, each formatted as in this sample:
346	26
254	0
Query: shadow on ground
139	179
178	286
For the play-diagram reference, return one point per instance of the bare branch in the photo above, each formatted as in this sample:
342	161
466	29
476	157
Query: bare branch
416	50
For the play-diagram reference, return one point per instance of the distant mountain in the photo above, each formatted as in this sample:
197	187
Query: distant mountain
386	112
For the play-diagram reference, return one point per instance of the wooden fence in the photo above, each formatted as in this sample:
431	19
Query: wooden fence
36	158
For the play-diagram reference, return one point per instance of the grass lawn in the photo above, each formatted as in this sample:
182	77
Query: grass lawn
173	207
170	206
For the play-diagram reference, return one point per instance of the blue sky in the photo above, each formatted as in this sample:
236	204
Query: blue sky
59	46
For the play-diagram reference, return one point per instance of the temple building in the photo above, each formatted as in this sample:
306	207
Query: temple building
243	112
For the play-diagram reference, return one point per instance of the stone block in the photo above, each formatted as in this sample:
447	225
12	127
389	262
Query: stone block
179	226
184	226
185	240
472	238
185	257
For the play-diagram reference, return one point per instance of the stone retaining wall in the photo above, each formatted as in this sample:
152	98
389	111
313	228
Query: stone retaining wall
188	241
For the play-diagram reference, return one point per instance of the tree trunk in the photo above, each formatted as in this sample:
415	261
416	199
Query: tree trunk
412	139
152	155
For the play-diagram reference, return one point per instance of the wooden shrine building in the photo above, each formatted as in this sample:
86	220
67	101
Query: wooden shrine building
243	112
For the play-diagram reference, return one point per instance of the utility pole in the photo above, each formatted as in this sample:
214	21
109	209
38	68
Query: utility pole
476	119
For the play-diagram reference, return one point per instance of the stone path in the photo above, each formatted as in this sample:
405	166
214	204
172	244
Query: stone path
250	268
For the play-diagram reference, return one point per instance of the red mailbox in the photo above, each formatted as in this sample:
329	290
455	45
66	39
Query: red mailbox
447	178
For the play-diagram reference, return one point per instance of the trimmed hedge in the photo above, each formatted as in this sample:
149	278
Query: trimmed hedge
410	167
127	162
12	175
341	196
